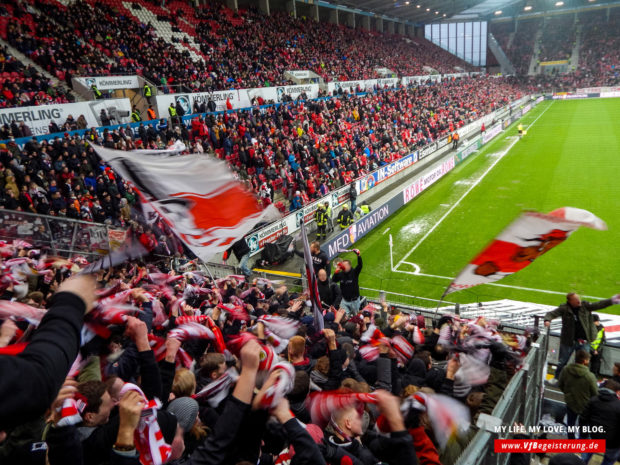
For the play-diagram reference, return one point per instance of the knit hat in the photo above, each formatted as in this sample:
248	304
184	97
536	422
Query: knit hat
186	411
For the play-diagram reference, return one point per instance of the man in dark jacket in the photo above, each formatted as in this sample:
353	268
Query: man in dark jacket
353	198
604	411
578	330
330	293
578	385
242	253
348	278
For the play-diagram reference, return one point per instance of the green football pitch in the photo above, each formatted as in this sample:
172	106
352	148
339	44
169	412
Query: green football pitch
569	157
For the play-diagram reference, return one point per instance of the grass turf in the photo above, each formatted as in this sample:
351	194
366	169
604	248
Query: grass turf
569	157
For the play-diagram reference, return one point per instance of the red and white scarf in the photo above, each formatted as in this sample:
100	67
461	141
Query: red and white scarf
283	385
216	391
148	437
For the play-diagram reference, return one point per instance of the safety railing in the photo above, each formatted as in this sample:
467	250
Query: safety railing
520	403
56	235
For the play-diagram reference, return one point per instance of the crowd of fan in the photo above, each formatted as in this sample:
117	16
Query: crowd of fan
599	56
558	38
84	39
177	367
22	86
308	148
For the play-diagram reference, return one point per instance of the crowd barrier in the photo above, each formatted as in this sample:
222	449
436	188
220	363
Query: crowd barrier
61	236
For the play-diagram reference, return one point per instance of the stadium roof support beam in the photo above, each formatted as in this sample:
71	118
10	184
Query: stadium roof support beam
379	24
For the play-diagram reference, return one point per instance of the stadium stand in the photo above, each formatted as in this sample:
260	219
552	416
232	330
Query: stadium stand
164	363
558	38
297	147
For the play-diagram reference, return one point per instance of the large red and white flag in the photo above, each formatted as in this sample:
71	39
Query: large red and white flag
196	196
528	237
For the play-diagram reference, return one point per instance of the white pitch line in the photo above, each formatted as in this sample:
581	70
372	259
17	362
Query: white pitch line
386	231
552	102
456	204
531	289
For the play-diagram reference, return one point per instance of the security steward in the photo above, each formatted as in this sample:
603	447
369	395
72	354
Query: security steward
96	92
135	115
148	93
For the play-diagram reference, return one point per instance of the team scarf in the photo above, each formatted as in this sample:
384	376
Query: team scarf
373	335
448	417
188	331
235	312
267	356
216	391
322	404
281	387
148	437
158	345
19	311
284	328
71	410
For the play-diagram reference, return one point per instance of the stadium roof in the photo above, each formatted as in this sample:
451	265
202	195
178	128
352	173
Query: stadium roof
425	11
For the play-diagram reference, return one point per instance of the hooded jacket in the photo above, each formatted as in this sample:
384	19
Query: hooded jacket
604	410
578	384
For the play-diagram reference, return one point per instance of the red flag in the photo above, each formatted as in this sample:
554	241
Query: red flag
228	104
523	241
196	196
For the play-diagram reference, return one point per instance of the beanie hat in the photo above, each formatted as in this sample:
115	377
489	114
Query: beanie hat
186	411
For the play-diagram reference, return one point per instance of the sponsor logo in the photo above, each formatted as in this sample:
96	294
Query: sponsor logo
183	101
423	182
358	230
491	133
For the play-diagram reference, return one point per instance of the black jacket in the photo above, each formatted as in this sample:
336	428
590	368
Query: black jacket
330	293
604	410
348	280
239	248
319	262
43	365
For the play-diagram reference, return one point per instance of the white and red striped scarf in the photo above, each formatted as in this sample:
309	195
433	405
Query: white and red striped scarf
323	404
181	320
284	328
71	410
447	416
148	437
189	331
19	311
403	349
216	391
282	386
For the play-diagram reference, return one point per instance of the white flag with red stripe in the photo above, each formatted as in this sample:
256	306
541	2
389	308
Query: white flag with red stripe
528	237
196	196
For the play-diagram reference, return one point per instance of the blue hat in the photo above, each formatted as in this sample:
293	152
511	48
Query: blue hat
329	317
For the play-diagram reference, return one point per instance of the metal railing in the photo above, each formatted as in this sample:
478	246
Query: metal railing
58	235
521	403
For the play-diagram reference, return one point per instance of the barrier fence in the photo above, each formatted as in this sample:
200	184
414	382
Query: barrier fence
60	236
521	403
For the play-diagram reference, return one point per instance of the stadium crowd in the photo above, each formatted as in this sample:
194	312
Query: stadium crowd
168	365
304	149
243	50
